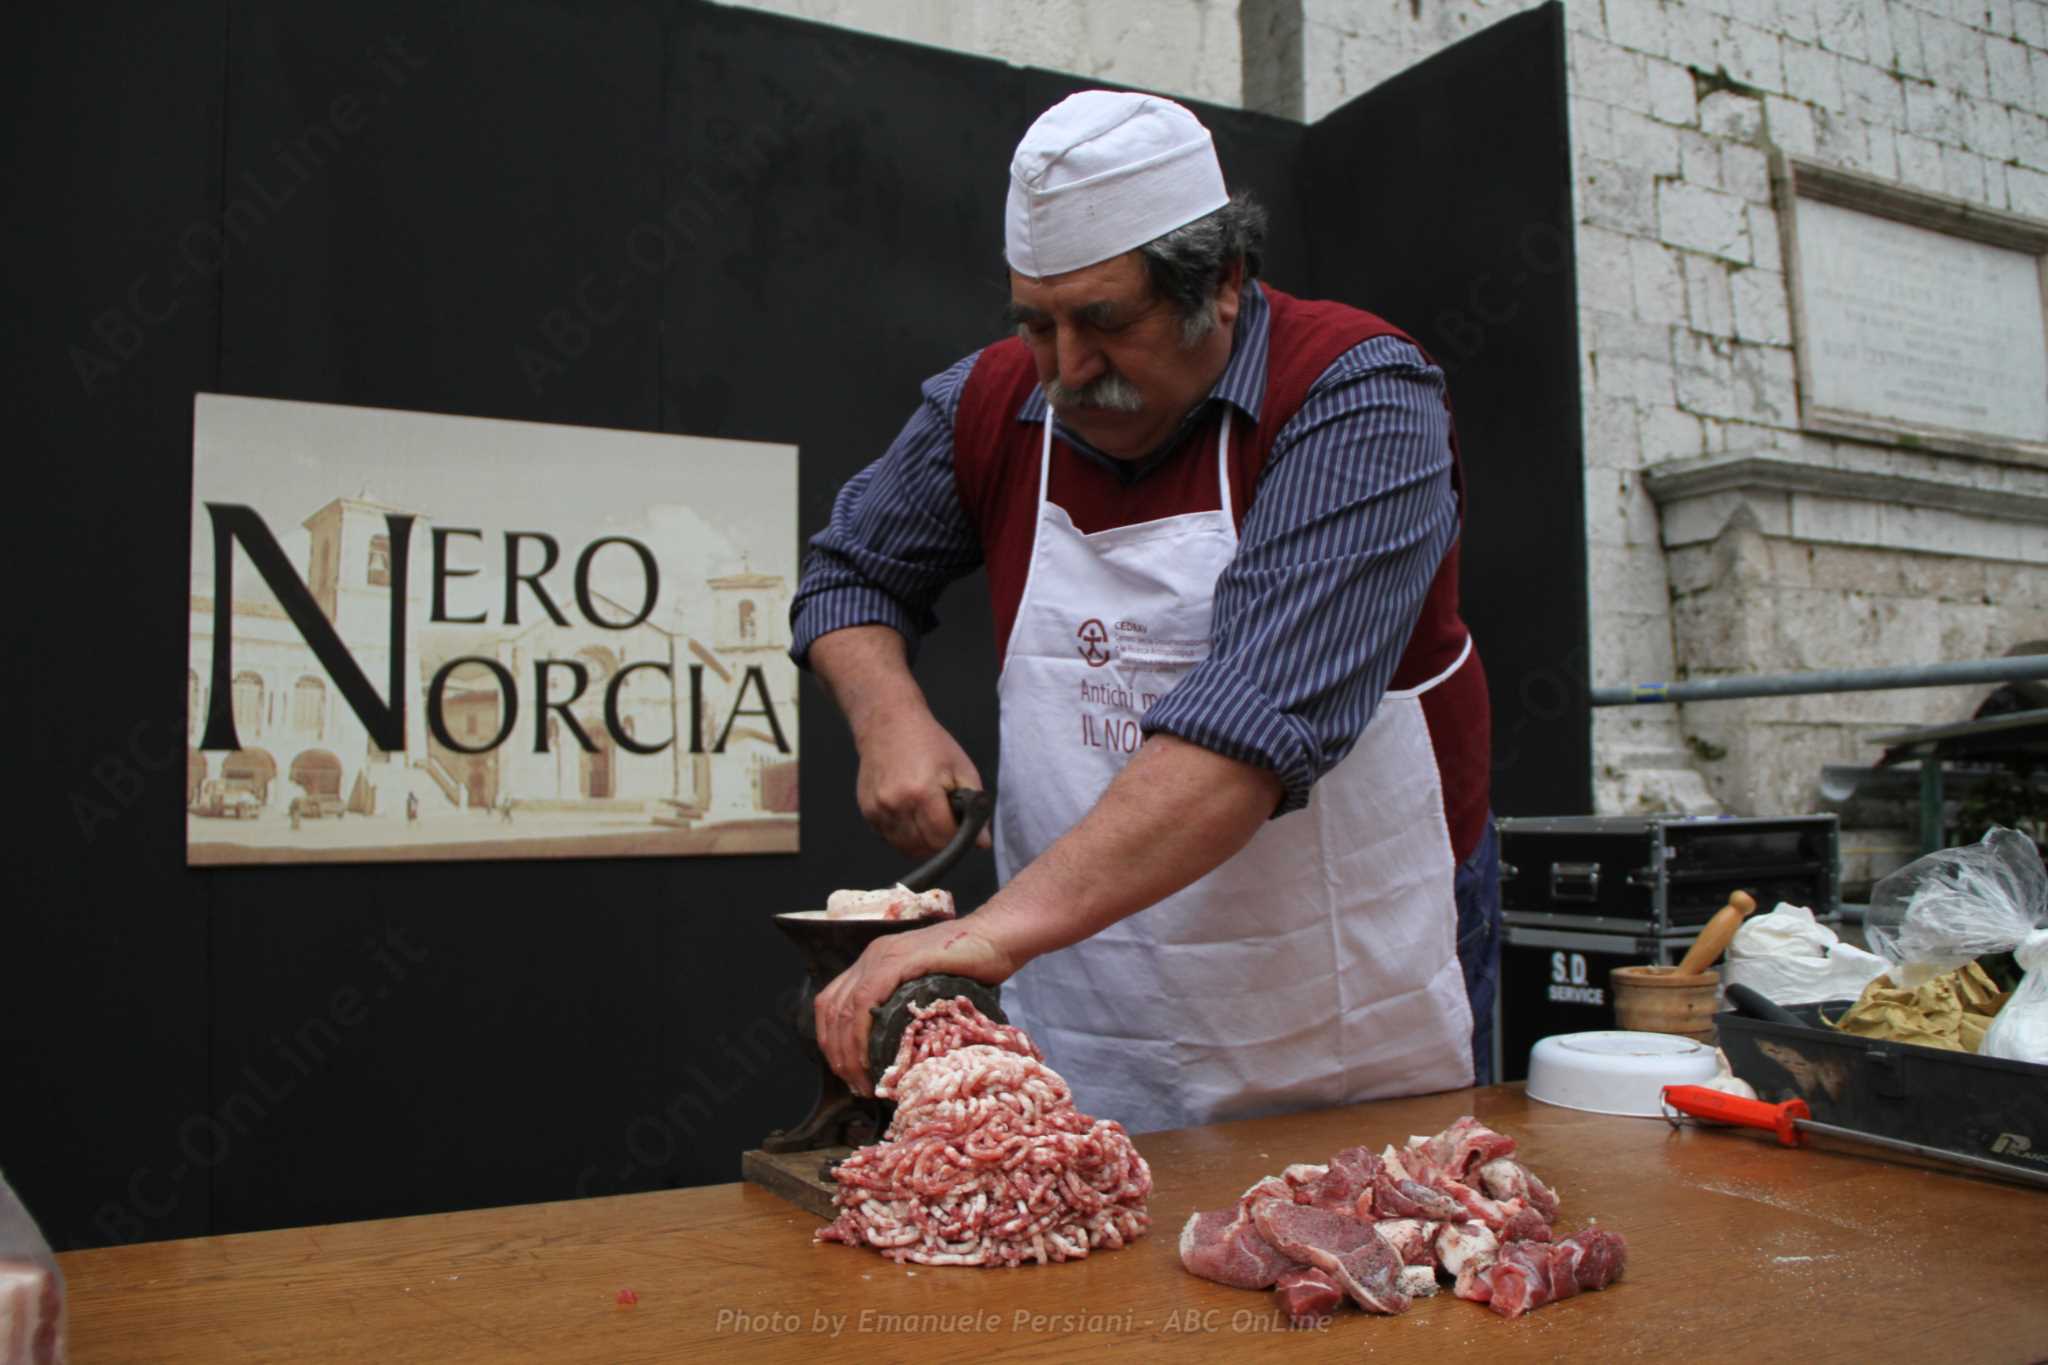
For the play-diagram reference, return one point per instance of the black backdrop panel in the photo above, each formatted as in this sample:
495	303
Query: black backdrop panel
677	217
1442	201
440	203
113	138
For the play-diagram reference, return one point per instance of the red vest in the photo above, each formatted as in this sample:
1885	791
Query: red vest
996	471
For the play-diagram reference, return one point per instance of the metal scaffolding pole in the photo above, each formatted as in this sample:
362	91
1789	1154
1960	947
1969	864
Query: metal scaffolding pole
2017	669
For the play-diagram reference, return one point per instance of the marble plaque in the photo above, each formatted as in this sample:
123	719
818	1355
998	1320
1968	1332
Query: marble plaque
1909	328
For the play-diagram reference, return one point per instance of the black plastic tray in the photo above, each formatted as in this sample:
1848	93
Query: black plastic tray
1956	1101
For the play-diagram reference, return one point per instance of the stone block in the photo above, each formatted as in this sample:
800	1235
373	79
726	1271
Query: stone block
1943	578
2030	22
1611	74
1909	54
1610	425
1657	287
2030	139
1839	521
1746	172
1669	434
1998	17
1791	563
1619	374
1840	27
1934	112
1854	568
1962	174
1701	520
1877	32
1761	14
1882	158
1639	25
1840	140
1690	569
1987	129
1955	56
2010	73
1764	245
1873	95
1796	20
1629	578
2039	61
1671	92
1708	305
1919	159
1726	114
2026	191
1615	196
1703	371
1753	57
1761	311
1699	158
1697	36
1591	129
1813	74
1604	263
1703	220
1788	125
1642	142
1766	379
2017	587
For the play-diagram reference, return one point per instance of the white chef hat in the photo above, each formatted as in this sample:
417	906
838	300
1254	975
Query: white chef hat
1103	172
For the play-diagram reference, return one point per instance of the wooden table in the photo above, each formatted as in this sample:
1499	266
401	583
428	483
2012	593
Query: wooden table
1738	1250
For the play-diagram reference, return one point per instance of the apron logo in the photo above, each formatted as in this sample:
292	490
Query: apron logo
1094	646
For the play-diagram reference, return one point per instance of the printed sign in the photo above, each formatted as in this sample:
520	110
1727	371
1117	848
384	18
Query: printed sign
426	637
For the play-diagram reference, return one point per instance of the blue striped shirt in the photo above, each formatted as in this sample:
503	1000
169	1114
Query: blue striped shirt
1353	513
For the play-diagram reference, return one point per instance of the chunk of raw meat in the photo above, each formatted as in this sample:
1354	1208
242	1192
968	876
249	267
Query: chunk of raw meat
31	1313
1355	1255
1394	1195
1459	1245
1225	1247
1504	1179
893	902
1528	1275
1412	1239
1525	1225
1307	1292
1417	1281
1463	1145
1339	1185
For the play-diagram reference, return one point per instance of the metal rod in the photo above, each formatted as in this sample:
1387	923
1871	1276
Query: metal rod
1979	1163
1826	680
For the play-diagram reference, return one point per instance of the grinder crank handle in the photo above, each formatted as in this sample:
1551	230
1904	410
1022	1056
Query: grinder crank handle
971	809
1718	1106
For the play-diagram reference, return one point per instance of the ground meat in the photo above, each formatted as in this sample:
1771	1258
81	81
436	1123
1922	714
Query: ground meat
987	1161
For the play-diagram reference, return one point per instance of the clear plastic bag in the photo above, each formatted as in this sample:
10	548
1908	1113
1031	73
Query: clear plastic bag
1949	908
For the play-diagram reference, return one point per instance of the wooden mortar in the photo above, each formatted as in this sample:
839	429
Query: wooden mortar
1662	1000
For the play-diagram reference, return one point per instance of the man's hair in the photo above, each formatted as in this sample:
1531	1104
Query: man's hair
1187	264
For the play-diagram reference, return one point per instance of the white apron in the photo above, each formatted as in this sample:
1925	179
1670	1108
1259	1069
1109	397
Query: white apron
1317	967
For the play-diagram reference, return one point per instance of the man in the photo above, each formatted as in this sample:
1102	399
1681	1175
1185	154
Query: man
1222	521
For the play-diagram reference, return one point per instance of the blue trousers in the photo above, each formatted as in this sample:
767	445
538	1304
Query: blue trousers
1479	935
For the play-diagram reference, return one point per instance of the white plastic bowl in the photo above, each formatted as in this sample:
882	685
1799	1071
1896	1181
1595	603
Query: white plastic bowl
1616	1072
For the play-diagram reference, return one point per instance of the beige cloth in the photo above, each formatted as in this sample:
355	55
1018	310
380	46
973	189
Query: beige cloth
1951	1011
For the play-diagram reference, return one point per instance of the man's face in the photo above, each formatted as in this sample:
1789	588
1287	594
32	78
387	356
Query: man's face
1111	355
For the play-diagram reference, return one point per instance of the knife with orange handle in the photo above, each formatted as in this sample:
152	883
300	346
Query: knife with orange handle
1792	1121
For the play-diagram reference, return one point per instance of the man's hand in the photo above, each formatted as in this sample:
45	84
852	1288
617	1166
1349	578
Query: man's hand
907	766
841	1009
908	763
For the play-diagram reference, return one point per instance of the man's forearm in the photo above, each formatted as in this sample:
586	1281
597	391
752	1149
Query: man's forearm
867	671
1176	812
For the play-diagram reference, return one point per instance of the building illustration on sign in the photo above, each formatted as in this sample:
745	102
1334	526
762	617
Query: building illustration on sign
579	704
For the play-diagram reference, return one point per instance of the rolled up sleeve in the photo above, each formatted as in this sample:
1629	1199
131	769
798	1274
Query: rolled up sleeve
1353	513
897	535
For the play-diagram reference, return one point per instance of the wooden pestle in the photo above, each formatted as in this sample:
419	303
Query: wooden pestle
1715	938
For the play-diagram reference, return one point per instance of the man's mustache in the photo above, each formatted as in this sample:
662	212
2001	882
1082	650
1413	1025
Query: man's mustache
1110	393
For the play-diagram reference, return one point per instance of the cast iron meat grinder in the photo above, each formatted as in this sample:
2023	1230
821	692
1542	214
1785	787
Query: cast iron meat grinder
841	1118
